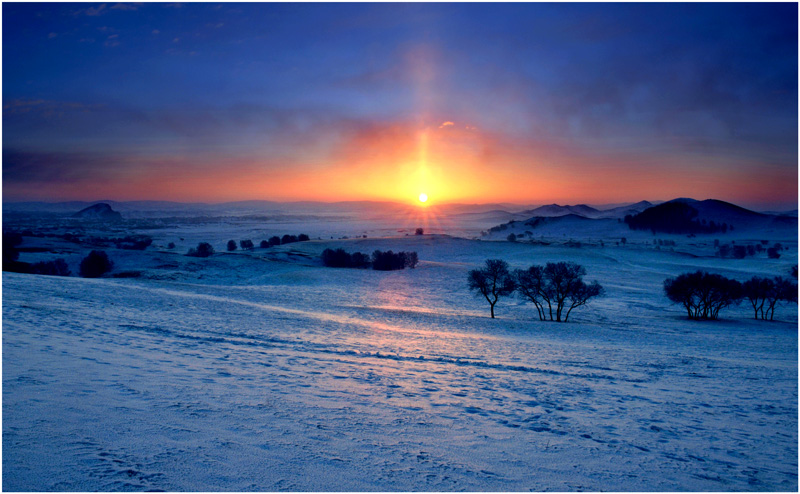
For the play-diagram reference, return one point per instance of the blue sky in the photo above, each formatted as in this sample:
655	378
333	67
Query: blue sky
548	102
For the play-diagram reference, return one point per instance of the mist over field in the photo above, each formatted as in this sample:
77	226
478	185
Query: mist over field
263	369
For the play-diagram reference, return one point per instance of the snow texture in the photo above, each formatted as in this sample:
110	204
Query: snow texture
263	370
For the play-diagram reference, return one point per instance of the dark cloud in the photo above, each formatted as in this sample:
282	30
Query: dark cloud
22	167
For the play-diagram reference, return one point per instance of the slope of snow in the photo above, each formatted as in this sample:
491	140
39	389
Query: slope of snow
263	370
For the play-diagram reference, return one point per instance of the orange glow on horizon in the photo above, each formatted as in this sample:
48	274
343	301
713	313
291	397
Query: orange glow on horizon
398	161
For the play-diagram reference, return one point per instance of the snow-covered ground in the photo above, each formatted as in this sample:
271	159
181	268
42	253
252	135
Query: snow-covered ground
263	370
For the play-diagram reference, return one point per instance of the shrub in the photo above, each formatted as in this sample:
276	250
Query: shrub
10	242
419	231
302	238
231	245
288	239
95	264
511	237
204	249
133	242
51	268
264	244
772	253
274	240
127	274
171	245
246	244
703	294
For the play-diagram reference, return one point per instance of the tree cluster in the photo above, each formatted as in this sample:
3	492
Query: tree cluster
741	251
390	261
703	294
555	289
380	261
339	258
560	285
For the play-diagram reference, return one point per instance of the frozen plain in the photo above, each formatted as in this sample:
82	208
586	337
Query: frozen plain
265	371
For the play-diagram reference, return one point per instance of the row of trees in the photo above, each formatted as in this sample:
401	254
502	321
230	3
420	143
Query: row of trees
742	251
273	241
380	261
94	265
555	289
704	294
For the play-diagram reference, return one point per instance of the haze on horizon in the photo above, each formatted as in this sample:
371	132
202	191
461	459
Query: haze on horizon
472	103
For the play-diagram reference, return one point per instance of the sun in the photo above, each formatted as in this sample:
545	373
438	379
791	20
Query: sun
423	197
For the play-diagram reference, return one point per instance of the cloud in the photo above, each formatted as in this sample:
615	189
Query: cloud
446	124
94	11
124	6
37	167
112	40
52	35
44	107
156	31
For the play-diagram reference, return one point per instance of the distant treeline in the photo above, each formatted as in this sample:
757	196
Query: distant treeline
274	240
673	217
380	261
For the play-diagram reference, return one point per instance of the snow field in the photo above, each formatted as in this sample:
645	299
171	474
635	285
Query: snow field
265	371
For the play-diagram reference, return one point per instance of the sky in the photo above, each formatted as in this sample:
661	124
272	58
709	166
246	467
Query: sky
528	103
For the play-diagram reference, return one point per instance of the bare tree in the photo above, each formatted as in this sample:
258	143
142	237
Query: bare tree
756	290
493	281
782	290
532	286
581	294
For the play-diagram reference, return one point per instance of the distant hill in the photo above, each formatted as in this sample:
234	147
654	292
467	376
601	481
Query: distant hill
555	210
622	211
678	216
552	210
99	211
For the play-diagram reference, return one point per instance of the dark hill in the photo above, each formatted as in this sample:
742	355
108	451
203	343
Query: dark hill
99	211
685	215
